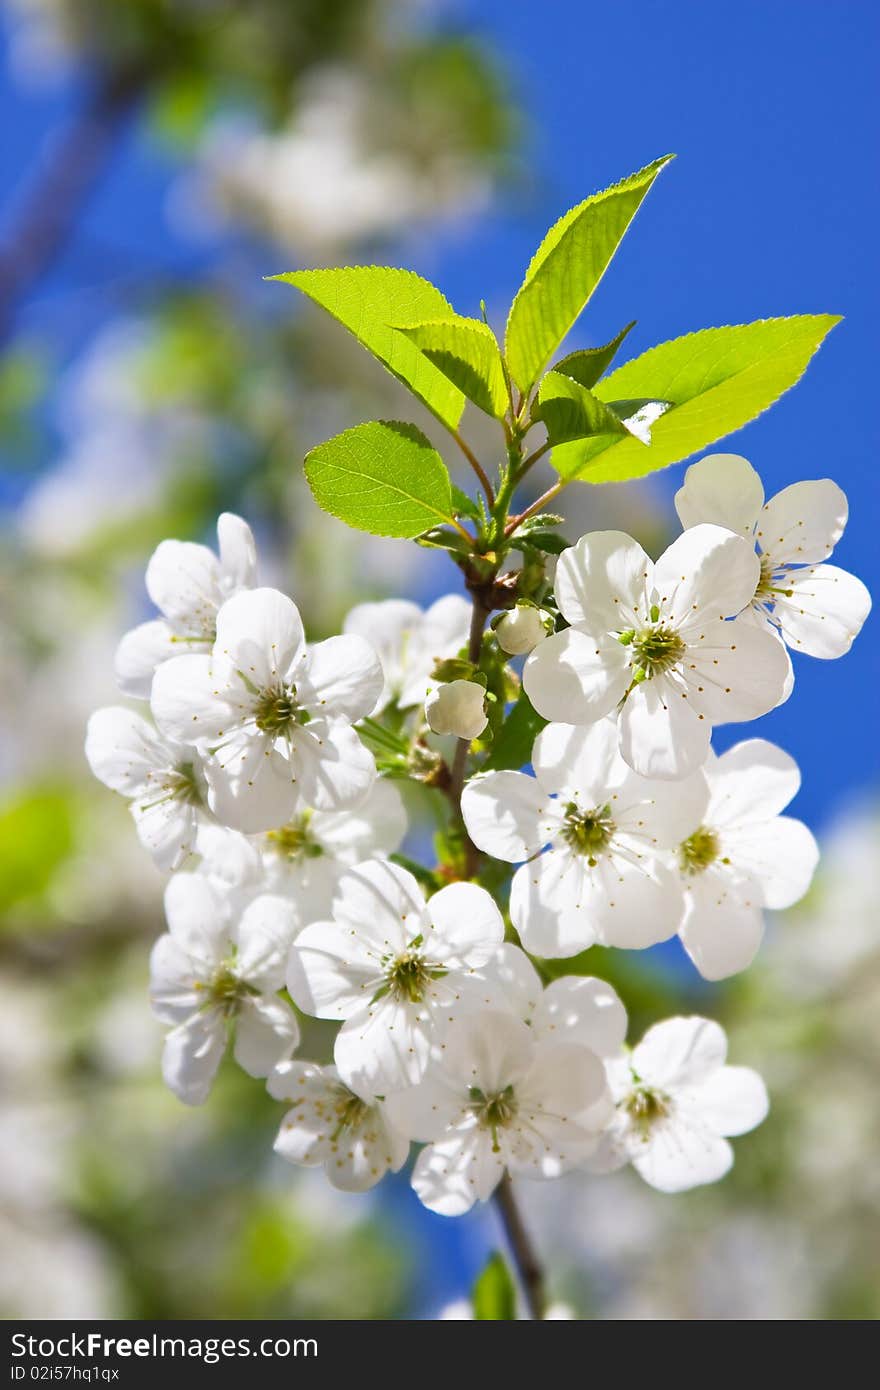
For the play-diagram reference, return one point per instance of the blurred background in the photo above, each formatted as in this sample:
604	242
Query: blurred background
159	158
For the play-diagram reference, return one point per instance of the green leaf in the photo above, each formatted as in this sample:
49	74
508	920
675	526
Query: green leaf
717	380
565	271
384	477
464	505
570	411
513	746
588	364
466	352
494	1292
549	542
367	300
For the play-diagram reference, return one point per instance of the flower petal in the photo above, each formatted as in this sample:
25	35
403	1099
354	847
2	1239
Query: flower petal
183	580
723	489
781	855
601	583
334	771
803	523
824	612
584	762
708	573
466	926
331	972
680	1155
384	1047
342	678
251	785
737	672
582	1009
167	829
662	735
752	782
505	815
125	752
175	981
723	924
260	633
189	704
238	553
451	1175
192	1054
575	678
383	904
377	826
141	650
680	1051
490	1050
550	908
198	913
264	936
633	906
265	1031
732	1100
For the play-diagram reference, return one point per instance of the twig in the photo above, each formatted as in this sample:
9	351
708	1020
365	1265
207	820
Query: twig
476	466
538	506
528	1265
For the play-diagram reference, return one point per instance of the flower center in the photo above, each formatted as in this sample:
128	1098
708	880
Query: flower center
277	709
349	1110
493	1112
645	1107
770	583
184	786
588	834
698	851
294	840
408	975
225	990
654	649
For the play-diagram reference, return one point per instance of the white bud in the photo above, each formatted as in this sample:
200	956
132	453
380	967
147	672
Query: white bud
457	707
521	629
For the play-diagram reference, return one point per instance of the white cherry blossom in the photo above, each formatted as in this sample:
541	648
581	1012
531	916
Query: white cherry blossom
575	1008
219	968
163	779
305	859
604	876
458	708
273	714
742	857
652	642
188	583
816	608
500	1099
676	1104
521	629
396	969
410	641
330	1125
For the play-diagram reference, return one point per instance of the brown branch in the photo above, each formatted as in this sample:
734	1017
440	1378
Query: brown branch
528	1265
53	202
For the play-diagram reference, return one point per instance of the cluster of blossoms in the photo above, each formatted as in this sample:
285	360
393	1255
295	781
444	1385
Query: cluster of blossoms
267	780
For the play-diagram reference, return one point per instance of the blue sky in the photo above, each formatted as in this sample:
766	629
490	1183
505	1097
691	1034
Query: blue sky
771	208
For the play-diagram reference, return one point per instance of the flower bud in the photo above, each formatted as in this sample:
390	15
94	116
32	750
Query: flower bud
457	707
521	629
